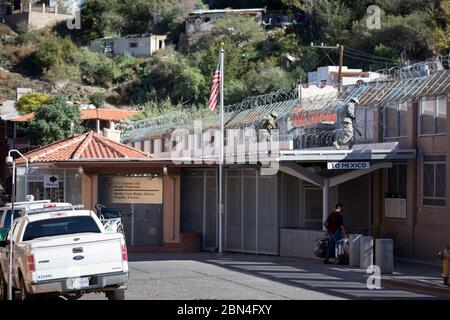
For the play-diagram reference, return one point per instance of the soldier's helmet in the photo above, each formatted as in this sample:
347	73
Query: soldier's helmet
355	100
274	114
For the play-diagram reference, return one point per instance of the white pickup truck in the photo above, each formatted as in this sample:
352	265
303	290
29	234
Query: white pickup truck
64	253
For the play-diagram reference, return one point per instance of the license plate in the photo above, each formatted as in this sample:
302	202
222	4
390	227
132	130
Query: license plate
80	282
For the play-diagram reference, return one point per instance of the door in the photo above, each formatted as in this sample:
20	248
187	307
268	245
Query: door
199	205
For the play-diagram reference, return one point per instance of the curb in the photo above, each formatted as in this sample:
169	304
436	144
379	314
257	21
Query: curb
416	287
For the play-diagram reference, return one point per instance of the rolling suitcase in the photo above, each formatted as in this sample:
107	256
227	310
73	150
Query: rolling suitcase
343	251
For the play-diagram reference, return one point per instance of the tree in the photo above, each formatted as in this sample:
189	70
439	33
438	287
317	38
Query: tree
189	83
31	102
387	53
441	31
330	21
442	39
408	34
142	15
168	74
99	18
236	60
296	4
55	120
235	91
402	7
267	78
173	18
97	98
239	28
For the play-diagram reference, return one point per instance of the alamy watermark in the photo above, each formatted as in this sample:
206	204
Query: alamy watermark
74	9
374	20
374	280
242	146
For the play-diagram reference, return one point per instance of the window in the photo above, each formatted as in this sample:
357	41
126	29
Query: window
313	208
364	123
433	180
441	115
396	181
134	44
68	189
433	115
395	120
60	226
7	221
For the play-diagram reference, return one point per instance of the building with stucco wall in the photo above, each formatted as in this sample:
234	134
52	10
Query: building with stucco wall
135	45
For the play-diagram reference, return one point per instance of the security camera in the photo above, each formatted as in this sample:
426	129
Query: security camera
9	161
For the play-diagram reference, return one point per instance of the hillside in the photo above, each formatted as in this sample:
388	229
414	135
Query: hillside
255	56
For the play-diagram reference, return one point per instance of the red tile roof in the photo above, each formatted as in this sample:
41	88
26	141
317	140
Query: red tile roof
90	114
24	118
86	146
107	114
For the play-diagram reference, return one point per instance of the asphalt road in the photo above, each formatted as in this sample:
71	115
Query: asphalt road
194	276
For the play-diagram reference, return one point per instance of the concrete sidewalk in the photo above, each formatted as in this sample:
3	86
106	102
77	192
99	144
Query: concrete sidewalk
416	276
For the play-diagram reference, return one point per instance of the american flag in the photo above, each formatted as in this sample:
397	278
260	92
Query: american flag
212	103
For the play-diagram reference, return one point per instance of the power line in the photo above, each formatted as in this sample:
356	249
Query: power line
329	57
358	52
341	56
372	61
372	57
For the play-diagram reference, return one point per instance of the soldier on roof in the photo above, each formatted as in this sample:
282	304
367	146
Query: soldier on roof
348	117
268	126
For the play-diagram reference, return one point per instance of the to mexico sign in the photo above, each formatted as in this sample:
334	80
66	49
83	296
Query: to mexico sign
348	165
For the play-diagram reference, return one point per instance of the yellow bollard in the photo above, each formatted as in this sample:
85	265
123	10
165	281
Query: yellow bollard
445	256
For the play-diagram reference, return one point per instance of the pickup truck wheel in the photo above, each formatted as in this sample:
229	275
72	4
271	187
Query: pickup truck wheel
74	296
24	295
3	288
117	294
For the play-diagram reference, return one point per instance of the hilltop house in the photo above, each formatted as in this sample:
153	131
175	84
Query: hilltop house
37	14
142	45
198	22
329	76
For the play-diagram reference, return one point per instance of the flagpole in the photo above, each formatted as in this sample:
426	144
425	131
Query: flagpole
221	161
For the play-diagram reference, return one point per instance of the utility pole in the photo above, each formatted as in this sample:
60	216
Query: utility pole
341	62
341	57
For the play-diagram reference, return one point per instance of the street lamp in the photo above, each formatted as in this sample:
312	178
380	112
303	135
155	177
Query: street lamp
10	161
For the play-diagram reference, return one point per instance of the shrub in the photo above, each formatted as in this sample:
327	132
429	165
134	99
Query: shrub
32	102
54	51
97	98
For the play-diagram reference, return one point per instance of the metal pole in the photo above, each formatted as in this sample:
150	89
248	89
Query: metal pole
325	201
13	198
221	207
